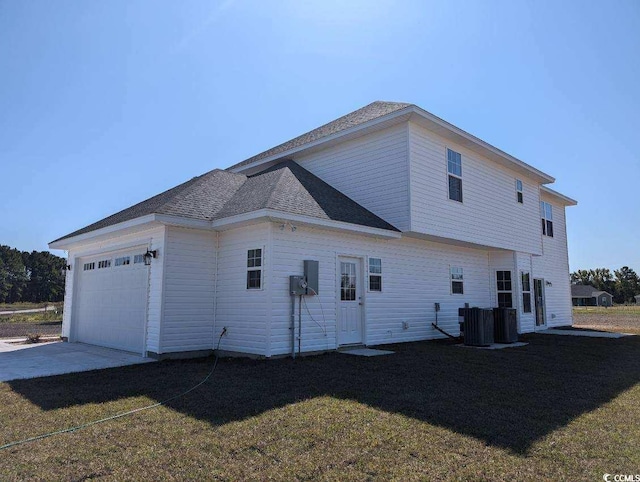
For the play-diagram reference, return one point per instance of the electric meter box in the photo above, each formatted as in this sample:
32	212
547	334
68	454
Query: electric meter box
297	285
311	276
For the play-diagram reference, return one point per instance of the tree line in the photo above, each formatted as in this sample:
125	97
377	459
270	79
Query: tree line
34	277
623	283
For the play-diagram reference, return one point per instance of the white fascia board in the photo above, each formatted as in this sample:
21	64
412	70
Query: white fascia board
183	222
67	243
322	140
279	216
567	201
487	149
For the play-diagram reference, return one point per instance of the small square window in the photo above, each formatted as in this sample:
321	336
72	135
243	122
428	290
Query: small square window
254	279
454	163
455	188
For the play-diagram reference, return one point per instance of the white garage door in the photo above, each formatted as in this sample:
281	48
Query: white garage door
111	300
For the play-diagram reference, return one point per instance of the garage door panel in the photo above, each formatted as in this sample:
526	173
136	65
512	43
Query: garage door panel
111	303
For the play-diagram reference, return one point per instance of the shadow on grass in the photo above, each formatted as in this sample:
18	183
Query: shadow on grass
508	398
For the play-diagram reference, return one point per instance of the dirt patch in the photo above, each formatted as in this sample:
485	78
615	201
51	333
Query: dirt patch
14	330
611	319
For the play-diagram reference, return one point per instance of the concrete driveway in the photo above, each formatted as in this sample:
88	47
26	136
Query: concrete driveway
45	359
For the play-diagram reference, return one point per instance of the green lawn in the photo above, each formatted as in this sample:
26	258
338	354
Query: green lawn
55	314
27	305
560	408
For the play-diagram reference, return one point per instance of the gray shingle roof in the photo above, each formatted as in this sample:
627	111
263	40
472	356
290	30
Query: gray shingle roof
198	198
290	188
218	194
355	118
585	291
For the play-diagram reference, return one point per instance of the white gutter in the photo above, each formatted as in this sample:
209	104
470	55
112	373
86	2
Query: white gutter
565	199
225	223
412	109
482	144
279	216
322	140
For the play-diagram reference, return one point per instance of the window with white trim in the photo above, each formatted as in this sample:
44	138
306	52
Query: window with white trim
525	279
457	280
254	269
138	258
504	288
89	266
375	274
519	194
546	213
105	263
123	261
454	168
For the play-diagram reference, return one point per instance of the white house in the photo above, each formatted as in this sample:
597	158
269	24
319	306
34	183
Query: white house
401	210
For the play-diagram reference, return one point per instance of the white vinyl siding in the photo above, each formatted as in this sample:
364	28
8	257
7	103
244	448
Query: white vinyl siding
416	275
245	313
489	216
372	170
187	317
553	266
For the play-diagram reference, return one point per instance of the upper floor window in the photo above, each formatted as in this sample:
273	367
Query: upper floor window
546	213
457	281
375	274
454	168
254	269
519	195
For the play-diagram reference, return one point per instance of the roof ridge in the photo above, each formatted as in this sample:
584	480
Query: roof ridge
369	112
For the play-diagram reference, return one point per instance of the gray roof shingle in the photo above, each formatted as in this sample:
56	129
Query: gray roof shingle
365	114
585	291
290	188
218	194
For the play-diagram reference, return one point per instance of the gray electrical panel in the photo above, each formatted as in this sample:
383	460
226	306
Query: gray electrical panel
311	276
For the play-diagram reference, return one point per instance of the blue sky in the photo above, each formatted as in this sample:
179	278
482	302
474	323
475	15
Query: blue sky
103	104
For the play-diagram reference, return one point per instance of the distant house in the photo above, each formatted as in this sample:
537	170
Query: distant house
587	295
637	297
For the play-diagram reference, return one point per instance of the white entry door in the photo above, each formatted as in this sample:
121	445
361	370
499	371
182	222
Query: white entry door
111	300
350	325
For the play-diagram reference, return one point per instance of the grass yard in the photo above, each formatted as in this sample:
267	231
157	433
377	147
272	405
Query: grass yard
560	408
27	305
617	318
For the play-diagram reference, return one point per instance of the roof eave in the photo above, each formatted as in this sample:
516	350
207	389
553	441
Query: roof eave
148	220
273	215
323	140
483	148
566	200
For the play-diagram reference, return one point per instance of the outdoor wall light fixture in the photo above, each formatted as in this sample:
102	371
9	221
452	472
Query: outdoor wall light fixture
548	283
148	255
293	228
68	267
